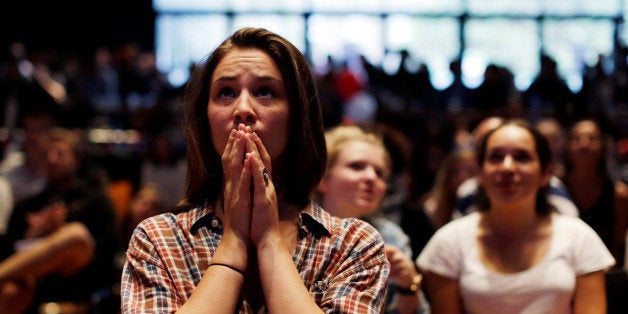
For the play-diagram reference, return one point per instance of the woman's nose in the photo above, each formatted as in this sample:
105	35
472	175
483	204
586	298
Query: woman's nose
508	162
371	173
244	112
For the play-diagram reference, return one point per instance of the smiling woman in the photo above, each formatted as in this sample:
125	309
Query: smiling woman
354	185
500	256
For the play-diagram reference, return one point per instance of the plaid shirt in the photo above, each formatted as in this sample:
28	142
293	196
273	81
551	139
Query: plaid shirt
341	261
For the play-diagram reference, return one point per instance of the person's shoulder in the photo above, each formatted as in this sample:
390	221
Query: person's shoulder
563	205
336	226
381	222
390	230
574	223
467	188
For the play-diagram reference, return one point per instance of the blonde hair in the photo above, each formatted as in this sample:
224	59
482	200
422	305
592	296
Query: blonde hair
337	137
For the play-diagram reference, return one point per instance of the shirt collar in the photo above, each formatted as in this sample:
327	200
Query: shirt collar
312	219
202	217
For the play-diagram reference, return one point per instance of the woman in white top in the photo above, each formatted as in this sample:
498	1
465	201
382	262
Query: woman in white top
515	255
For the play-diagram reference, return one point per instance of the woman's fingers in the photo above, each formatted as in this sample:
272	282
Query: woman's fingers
262	152
250	198
265	214
237	195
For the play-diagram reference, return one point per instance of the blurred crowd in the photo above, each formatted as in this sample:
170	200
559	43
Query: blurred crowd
129	118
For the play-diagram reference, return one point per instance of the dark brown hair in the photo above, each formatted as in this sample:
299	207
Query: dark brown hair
302	163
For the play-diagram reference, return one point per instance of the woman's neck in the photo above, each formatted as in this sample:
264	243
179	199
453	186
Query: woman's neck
511	220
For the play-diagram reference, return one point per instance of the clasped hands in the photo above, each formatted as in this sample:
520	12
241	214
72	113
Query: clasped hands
250	200
46	221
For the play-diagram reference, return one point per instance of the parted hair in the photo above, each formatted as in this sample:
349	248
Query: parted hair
302	163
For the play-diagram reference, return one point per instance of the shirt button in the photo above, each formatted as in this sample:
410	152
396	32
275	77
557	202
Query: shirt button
215	223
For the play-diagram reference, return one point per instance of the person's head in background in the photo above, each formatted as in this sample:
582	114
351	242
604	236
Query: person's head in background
146	202
358	167
458	166
485	126
298	160
64	157
556	136
586	148
469	134
161	150
515	164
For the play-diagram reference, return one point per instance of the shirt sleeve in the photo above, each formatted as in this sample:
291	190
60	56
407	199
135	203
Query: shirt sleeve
146	287
590	252
358	272
442	254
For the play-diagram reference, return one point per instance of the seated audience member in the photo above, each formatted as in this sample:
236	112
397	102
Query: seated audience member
515	254
247	238
407	188
557	138
24	165
354	185
164	168
458	166
601	201
62	239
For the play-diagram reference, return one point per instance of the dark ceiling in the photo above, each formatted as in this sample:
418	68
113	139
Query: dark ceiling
76	26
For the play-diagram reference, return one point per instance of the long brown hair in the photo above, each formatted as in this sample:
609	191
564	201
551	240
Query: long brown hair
302	163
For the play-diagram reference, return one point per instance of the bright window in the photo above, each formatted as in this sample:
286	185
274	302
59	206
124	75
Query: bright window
575	44
430	41
510	43
504	32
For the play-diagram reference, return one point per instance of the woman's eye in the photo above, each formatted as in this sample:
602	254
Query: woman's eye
226	92
523	157
356	166
381	173
264	92
494	157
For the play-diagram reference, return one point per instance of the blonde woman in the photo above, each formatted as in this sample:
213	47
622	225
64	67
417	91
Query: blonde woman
354	185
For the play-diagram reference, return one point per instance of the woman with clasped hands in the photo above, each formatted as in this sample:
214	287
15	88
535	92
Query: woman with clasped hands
515	255
247	238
